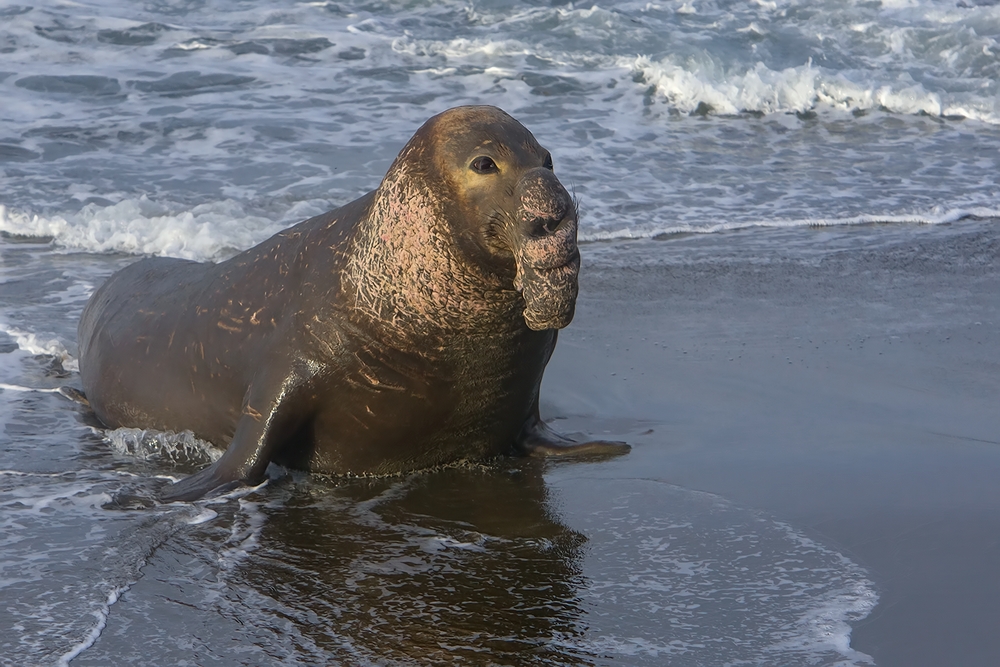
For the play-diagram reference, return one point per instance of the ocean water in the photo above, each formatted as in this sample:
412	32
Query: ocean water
197	128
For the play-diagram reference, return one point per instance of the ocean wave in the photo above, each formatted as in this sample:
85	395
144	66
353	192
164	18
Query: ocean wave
706	86
702	83
215	231
211	231
335	93
933	217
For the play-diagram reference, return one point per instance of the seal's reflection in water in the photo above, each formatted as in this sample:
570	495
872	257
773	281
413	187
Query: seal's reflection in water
464	565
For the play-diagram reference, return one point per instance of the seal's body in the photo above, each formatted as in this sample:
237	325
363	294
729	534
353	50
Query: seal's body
407	329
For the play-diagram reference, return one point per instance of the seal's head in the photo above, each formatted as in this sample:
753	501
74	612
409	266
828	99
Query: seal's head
508	213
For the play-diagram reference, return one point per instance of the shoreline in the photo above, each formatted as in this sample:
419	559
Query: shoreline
845	383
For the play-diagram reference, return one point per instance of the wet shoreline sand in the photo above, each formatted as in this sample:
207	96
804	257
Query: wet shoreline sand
816	403
846	382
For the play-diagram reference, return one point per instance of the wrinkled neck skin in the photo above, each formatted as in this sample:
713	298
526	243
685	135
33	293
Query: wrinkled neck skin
408	273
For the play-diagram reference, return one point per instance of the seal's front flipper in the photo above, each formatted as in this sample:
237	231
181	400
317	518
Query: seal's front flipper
258	436
538	440
212	481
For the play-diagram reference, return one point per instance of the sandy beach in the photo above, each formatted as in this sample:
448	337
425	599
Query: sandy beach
813	414
847	383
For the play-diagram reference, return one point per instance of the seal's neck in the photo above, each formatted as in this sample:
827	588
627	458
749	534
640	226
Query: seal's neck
407	269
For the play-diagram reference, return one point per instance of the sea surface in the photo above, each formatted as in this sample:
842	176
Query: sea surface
196	129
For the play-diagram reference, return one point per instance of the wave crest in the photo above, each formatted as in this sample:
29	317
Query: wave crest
705	86
211	231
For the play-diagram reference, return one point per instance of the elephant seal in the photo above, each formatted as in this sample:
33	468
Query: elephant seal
405	330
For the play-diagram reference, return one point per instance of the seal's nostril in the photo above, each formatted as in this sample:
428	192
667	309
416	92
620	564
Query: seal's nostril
545	204
544	226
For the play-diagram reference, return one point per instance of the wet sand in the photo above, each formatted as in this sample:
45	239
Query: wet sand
847	382
836	389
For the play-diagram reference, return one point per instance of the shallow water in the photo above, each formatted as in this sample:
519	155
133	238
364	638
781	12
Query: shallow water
195	129
511	562
563	565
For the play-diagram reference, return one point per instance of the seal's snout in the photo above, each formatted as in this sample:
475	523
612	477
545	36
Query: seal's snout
548	260
545	204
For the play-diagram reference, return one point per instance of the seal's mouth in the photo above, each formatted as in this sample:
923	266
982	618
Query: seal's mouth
557	265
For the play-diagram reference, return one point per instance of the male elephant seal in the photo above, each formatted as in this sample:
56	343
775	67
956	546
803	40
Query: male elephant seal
407	329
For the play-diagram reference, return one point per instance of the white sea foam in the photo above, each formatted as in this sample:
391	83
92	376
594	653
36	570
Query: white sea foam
244	535
161	446
707	87
66	561
34	344
142	227
205	515
17	387
223	233
101	615
759	89
232	123
932	217
726	572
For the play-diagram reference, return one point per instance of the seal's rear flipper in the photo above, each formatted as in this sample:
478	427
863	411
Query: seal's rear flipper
207	482
538	440
75	395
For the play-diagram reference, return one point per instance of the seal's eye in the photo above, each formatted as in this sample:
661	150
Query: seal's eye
484	165
548	161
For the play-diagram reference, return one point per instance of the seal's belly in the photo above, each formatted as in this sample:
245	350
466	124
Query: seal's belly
391	415
391	434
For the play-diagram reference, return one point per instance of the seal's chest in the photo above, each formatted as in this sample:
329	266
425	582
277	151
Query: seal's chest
393	412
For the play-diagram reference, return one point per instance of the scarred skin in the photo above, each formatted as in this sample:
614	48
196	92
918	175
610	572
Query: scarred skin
407	329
